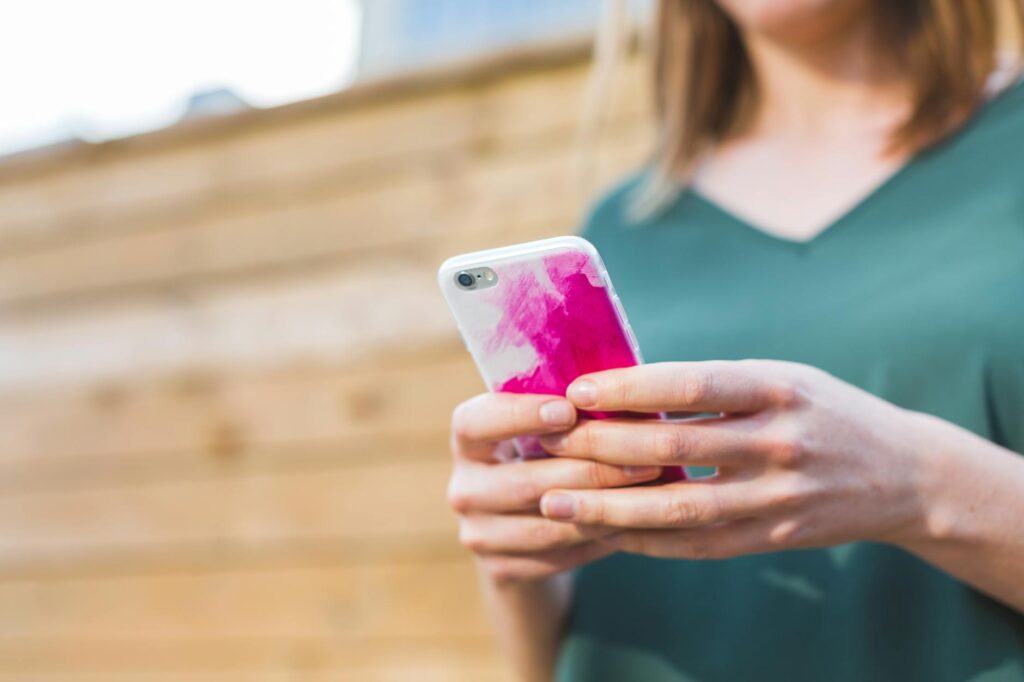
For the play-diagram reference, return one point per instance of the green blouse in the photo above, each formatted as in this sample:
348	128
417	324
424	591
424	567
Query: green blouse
916	295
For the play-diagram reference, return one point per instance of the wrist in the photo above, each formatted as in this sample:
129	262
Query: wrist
950	484
498	578
528	616
931	497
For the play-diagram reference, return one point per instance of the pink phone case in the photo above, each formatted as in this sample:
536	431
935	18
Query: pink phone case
549	316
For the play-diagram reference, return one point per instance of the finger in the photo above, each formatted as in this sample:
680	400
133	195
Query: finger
523	533
505	567
481	422
732	387
635	442
518	486
724	541
677	505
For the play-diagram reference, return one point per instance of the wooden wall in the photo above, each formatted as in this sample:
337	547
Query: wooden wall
225	376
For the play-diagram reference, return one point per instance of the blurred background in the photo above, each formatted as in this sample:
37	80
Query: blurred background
225	369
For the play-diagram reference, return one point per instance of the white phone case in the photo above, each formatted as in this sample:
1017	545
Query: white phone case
549	316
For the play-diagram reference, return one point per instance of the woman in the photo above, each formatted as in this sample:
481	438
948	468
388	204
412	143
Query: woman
839	188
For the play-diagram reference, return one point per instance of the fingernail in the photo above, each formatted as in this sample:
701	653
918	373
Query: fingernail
556	413
554	441
641	472
558	506
583	393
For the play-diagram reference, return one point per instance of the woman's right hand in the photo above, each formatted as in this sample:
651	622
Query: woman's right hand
498	503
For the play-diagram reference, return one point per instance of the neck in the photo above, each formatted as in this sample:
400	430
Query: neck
824	85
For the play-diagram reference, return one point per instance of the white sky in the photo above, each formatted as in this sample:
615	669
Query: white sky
107	68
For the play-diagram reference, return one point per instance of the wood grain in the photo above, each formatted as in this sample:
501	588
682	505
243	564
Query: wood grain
238	420
441	658
449	198
226	376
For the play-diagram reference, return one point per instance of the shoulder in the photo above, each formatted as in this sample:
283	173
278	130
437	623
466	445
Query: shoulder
986	156
1006	105
998	127
610	213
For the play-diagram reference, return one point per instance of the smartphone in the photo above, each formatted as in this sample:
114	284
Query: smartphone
535	316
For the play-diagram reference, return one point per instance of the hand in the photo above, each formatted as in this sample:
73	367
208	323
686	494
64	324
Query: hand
498	503
804	460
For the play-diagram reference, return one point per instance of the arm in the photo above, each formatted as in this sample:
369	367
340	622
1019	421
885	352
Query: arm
804	460
975	519
528	618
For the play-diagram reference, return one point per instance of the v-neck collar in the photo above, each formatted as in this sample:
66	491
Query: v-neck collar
865	203
871	197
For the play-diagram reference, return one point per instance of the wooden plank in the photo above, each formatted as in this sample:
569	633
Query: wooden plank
128	190
225	453
307	658
196	652
378	672
207	322
503	191
423	601
528	110
319	227
211	421
358	511
327	317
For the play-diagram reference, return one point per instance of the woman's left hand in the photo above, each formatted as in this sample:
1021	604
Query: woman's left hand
804	460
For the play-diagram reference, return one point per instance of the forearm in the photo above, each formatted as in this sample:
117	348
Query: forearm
529	617
974	516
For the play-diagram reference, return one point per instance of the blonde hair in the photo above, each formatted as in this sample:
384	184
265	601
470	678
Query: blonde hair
705	91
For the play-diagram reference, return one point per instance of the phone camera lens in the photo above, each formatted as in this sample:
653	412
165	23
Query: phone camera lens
465	280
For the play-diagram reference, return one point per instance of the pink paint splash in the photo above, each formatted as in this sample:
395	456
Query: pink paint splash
574	330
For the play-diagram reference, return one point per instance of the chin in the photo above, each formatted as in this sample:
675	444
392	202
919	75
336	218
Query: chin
795	19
